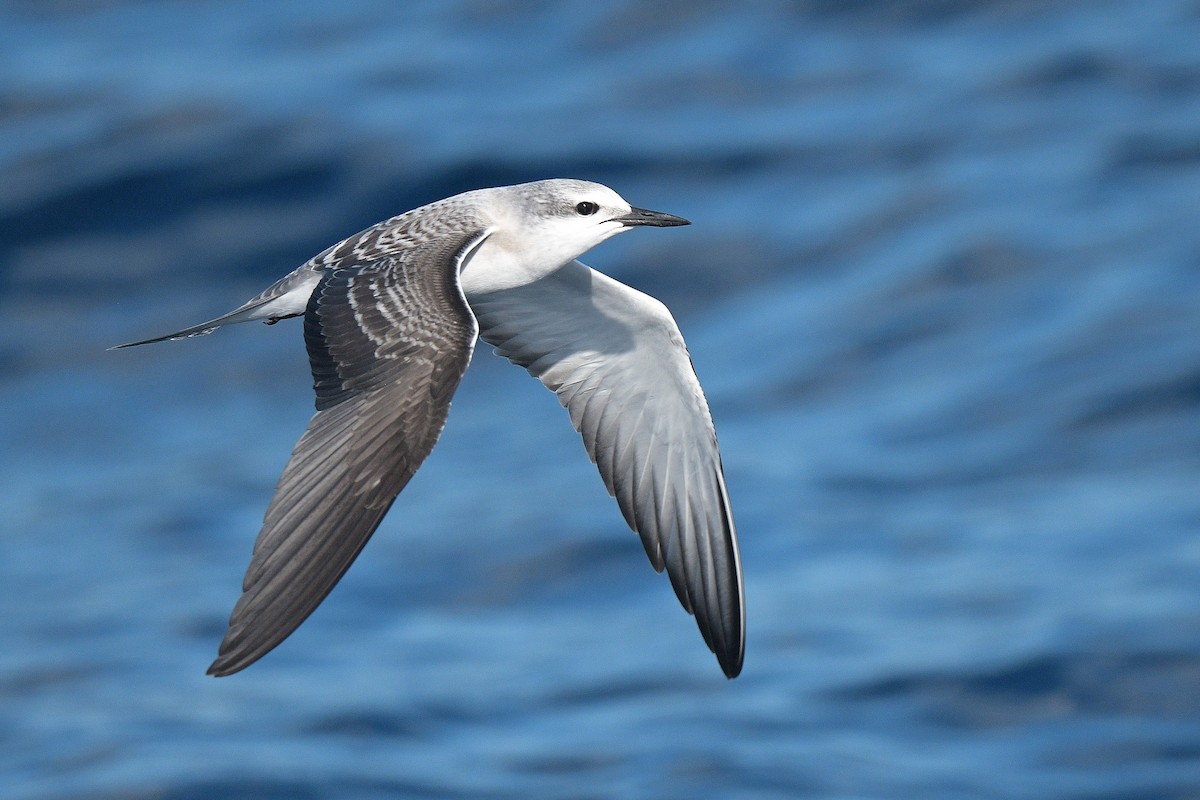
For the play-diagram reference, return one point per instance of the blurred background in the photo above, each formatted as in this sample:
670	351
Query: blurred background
941	287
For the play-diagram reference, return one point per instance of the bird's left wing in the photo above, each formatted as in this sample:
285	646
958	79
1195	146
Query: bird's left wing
617	361
388	342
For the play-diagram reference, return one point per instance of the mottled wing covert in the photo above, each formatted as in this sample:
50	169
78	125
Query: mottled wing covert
388	342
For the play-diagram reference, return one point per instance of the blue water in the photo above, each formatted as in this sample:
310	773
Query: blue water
942	288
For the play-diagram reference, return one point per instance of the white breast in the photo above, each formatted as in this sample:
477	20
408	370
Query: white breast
502	262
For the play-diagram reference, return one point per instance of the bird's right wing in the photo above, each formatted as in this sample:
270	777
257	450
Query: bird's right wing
618	363
388	342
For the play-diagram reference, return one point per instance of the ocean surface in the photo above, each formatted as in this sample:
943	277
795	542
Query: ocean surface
942	289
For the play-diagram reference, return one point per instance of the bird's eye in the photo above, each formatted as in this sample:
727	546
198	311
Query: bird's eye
587	208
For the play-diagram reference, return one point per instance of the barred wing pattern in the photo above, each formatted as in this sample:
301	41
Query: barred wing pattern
388	342
618	363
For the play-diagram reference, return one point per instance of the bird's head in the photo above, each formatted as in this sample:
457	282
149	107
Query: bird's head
561	219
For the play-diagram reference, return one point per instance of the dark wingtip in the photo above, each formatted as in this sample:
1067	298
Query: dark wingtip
730	649
224	665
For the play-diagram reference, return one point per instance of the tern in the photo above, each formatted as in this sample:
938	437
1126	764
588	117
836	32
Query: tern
391	316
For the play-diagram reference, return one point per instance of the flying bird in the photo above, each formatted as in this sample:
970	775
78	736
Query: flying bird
391	316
